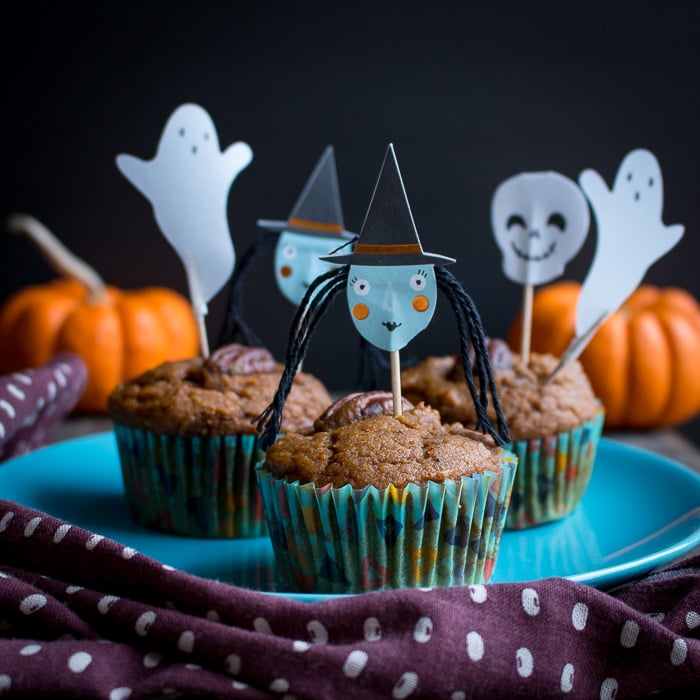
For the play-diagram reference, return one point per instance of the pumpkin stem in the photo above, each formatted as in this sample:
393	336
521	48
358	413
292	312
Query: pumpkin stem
58	256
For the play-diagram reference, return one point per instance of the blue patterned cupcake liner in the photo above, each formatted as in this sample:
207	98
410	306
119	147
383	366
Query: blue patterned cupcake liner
345	540
196	486
553	474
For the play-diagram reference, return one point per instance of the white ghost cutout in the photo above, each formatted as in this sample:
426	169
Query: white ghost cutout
631	235
188	183
540	221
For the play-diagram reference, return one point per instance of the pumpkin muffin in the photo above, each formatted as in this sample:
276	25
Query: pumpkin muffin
370	501
555	426
186	437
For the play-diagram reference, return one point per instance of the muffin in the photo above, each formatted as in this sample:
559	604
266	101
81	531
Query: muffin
555	426
186	437
371	501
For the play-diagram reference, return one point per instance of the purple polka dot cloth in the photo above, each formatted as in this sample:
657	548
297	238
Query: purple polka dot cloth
34	401
85	616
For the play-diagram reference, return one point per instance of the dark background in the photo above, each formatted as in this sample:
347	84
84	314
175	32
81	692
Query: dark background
468	95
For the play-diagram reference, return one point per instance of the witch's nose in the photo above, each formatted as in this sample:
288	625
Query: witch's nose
391	299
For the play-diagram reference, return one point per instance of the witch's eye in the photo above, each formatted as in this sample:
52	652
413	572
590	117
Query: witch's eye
557	220
289	251
360	286
515	220
417	282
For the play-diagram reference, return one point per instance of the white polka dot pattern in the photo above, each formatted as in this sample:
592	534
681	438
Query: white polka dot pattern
527	635
79	662
355	663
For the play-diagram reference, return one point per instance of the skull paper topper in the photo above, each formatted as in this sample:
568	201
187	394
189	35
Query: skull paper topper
188	183
314	228
391	288
540	221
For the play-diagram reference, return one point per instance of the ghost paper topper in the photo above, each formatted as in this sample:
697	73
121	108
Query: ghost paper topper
314	228
188	183
540	221
631	237
391	289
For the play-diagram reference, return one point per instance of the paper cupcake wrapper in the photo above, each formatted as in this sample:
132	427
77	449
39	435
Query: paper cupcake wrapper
553	474
343	540
196	486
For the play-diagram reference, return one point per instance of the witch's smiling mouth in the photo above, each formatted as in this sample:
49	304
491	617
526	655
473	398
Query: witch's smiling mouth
390	325
534	258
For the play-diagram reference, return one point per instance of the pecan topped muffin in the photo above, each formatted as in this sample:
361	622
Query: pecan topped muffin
555	425
221	395
187	440
372	500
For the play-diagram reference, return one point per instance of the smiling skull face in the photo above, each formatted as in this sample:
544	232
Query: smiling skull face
540	221
390	305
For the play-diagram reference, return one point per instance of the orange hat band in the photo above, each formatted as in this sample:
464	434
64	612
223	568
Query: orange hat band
391	249
315	225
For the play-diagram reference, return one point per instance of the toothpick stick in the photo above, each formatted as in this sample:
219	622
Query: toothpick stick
396	381
203	342
526	332
576	347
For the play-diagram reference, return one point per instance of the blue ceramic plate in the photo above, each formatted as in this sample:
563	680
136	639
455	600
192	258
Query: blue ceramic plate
640	511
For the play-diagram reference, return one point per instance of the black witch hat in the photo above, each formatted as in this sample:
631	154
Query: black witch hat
388	235
317	211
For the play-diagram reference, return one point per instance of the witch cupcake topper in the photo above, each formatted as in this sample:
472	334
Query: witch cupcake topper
188	183
391	288
313	228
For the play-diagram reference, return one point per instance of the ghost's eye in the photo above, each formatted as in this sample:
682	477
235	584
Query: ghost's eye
417	282
289	251
557	220
360	286
182	132
515	220
651	182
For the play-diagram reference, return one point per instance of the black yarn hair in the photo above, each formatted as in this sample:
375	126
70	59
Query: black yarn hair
312	308
471	330
235	328
315	304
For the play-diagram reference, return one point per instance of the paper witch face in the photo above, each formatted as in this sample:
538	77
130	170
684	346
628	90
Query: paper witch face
314	228
540	221
188	183
391	289
631	235
298	262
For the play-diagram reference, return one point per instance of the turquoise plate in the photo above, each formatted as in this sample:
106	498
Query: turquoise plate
640	511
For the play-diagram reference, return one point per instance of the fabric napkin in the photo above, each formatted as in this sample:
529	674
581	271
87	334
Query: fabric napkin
84	616
34	401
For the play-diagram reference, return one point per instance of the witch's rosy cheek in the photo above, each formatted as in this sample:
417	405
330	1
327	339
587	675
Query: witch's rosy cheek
421	303
360	311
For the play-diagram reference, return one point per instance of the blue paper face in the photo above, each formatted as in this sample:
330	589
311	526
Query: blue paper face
391	305
297	262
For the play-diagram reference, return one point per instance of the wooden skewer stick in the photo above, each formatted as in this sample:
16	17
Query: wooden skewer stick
526	331
396	381
576	347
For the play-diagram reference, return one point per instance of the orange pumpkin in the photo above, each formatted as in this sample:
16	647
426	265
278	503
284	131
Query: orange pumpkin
118	334
643	362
